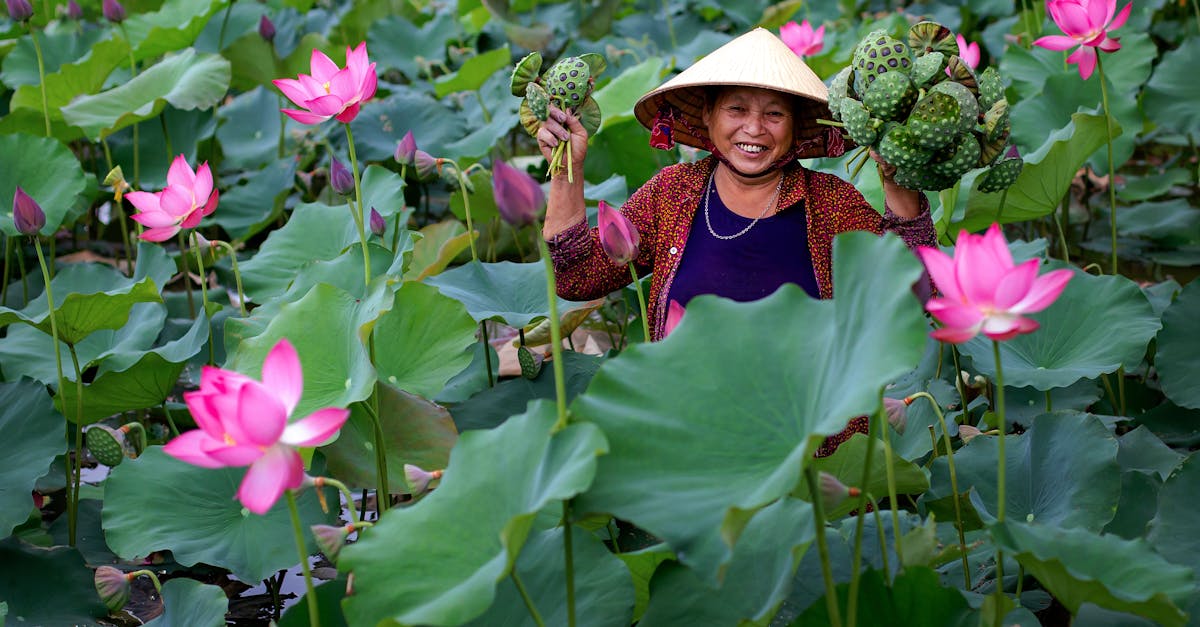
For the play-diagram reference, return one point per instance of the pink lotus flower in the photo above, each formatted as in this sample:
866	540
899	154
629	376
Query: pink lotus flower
331	92
1085	23
982	290
675	313
187	198
802	39
968	52
246	422
618	236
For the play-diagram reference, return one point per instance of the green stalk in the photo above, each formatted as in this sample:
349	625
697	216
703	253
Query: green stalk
62	407
8	246
1112	175
187	274
73	522
1062	236
314	611
1049	402
25	278
357	210
873	424
162	121
958	382
151	575
237	275
282	126
831	604
212	351
137	172
1000	207
962	540
537	618
37	48
1000	469
170	420
462	186
119	205
487	354
637	284
569	557
891	487
560	392
382	495
320	482
887	571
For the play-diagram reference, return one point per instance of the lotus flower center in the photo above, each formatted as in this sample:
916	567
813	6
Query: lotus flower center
326	86
229	440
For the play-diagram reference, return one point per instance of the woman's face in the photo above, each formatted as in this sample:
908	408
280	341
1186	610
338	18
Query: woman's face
751	126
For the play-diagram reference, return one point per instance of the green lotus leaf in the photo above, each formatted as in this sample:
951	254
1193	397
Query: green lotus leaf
512	293
603	590
329	604
157	502
423	341
174	26
383	122
396	41
47	171
383	190
1166	97
618	96
846	465
1173	530
59	47
491	406
1178	357
692	466
80	308
1022	405
249	132
642	565
916	597
336	364
416	431
473	73
440	243
189	602
47	586
186	80
1137	507
253	206
757	579
26	418
1036	486
313	233
1144	452
85	75
1097	325
1076	565
438	562
1170	222
483	203
497	112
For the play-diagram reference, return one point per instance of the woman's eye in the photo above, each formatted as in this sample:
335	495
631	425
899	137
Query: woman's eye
776	115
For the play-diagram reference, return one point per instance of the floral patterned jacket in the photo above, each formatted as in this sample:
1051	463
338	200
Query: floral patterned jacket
663	208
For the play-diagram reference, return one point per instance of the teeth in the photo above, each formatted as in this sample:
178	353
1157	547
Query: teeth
751	147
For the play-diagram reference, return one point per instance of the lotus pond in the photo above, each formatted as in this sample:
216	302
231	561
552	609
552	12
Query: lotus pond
195	282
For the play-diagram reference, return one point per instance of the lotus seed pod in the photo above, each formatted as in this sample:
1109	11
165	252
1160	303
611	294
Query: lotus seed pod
862	129
968	106
958	158
330	539
960	72
538	99
529	120
928	37
922	178
105	444
526	72
934	121
991	149
995	121
839	89
928	68
569	82
991	87
113	586
877	54
899	148
1001	175
531	366
891	96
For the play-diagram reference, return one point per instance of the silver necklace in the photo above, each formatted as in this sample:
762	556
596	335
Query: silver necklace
712	188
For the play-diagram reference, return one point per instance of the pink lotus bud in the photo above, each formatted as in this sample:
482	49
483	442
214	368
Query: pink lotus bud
418	478
113	11
19	10
28	216
674	315
330	539
897	412
378	226
427	165
968	52
74	11
618	236
518	197
113	586
266	29
834	492
967	433
406	150
340	177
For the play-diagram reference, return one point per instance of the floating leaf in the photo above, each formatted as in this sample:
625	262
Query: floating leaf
83	309
1178	357
189	602
251	207
513	293
1173	530
27	420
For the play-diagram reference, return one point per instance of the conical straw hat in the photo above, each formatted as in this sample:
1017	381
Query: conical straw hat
756	59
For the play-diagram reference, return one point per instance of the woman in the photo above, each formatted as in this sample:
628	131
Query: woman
744	220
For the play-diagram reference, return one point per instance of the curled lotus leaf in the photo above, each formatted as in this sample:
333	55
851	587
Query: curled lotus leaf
839	89
928	68
929	37
538	99
589	115
526	72
962	73
529	120
595	61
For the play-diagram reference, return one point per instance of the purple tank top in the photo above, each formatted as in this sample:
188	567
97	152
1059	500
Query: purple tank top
749	267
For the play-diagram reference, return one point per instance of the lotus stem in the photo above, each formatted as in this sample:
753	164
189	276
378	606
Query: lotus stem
560	391
887	571
62	404
462	186
187	278
237	275
537	618
1000	469
137	169
873	424
119	205
1049	402
958	382
153	578
487	354
320	482
831	604
891	487
1112	174
670	26
8	246
962	540
357	209
24	279
382	495
1062	236
314	611
569	557
1000	207
37	49
212	351
73	524
170	420
637	284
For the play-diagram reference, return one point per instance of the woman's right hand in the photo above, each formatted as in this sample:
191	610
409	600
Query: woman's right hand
559	126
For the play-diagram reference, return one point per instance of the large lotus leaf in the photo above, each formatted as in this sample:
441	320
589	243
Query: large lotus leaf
383	190
346	272
512	293
622	150
423	341
617	97
1170	222
47	171
1062	471
916	597
383	122
86	75
757	579
846	465
473	73
59	46
186	80
1138	505
173	26
1173	530
1022	405
1076	565
1044	180
324	328
1097	325
497	112
440	243
135	379
254	205
603	590
47	586
397	42
189	602
314	232
157	502
415	431
438	562
83	305
483	202
1166	96
692	466
257	62
494	405
1178	356
29	421
1144	452
329	606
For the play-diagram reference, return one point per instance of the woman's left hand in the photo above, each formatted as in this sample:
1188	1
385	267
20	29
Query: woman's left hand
887	171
